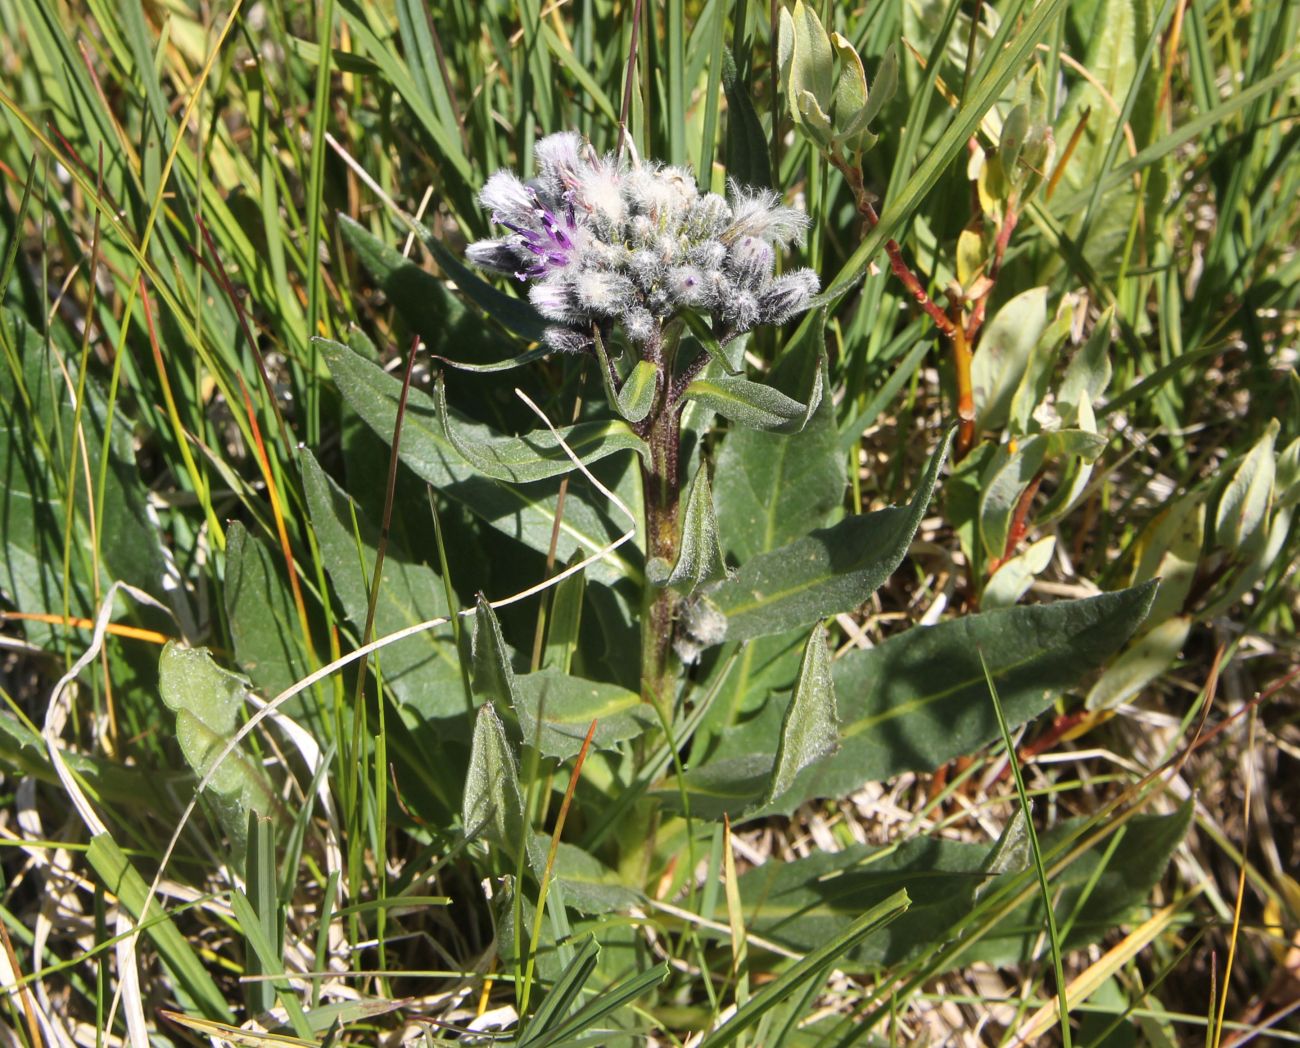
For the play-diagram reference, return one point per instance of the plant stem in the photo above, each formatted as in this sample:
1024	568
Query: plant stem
662	485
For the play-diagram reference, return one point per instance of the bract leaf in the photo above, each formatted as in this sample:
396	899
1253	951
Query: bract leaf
699	559
493	807
810	731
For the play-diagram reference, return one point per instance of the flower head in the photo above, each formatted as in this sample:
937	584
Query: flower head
605	241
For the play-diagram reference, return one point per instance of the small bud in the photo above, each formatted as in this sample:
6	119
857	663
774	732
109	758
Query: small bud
496	255
509	200
787	295
553	299
566	340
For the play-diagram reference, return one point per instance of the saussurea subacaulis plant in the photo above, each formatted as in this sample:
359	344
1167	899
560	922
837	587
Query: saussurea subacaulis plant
622	256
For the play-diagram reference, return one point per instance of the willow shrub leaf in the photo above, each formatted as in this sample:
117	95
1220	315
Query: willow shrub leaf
1140	663
493	808
207	701
920	698
810	731
1003	355
803	903
1011	472
269	645
526	513
1016	575
538	456
422	671
832	570
555	710
699	559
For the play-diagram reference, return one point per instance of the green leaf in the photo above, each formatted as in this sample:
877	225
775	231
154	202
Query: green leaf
832	570
801	904
848	117
424	302
747	403
810	731
264	622
1039	366
637	395
188	972
1012	472
538	456
494	677
920	698
422	671
39	442
527	514
208	701
1088	373
555	710
1140	663
886	85
1016	575
812	64
1244	505
746	154
493	807
699	559
815	966
1014	129
1003	354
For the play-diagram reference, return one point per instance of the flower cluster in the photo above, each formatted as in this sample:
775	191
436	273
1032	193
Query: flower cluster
606	242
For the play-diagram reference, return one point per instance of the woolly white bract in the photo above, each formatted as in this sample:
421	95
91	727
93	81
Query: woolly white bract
607	242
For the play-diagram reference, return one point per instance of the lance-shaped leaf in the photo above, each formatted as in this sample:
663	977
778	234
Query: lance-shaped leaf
1003	355
1013	577
420	298
493	807
920	698
1243	507
527	514
830	571
810	731
538	456
747	158
849	116
747	403
555	711
1140	663
423	671
700	558
494	677
1014	129
883	90
804	903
